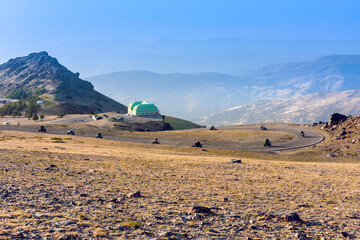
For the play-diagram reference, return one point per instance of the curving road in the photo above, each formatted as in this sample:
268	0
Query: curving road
311	138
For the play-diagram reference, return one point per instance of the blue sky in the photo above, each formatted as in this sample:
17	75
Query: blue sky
49	24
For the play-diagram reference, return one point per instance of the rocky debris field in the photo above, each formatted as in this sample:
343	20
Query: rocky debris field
343	137
159	194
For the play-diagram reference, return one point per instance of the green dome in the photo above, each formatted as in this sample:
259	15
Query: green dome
143	109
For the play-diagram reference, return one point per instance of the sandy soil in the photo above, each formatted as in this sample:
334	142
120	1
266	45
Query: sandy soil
59	187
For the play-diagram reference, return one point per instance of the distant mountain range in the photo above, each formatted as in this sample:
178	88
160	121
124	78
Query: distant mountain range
193	96
303	109
63	90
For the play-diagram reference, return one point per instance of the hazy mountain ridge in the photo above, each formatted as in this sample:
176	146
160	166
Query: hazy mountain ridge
69	93
193	96
304	109
331	73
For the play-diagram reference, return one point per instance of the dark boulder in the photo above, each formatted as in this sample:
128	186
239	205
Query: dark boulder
336	118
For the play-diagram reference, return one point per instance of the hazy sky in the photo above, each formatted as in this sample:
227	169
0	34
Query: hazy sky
30	25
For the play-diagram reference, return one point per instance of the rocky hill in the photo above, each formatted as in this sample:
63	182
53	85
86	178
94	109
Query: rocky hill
342	137
62	89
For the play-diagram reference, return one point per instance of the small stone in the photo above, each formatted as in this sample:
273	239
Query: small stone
136	194
165	234
64	237
67	223
283	215
199	209
40	215
236	160
345	234
111	205
56	229
50	168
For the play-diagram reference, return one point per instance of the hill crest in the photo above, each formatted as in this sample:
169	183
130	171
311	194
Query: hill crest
62	87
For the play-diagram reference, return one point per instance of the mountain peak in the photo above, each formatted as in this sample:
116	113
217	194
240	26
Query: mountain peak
39	70
42	53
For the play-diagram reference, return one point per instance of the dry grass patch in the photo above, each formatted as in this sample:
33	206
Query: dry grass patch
172	180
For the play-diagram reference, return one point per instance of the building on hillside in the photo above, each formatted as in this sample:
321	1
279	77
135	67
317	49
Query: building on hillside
8	100
40	102
143	109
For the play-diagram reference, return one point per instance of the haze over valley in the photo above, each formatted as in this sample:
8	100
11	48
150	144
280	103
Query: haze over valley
200	96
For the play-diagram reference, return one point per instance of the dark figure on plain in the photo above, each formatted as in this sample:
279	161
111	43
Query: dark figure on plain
302	133
213	128
42	129
70	132
197	144
155	141
98	135
267	143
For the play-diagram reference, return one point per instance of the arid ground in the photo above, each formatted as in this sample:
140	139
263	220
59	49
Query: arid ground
61	187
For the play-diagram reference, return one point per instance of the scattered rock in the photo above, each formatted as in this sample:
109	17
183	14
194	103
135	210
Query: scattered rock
136	194
236	160
165	234
50	168
67	223
283	215
56	229
330	155
64	237
333	128
41	215
199	209
304	206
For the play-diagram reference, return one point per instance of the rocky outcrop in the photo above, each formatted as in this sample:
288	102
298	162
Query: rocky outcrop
336	118
65	88
343	136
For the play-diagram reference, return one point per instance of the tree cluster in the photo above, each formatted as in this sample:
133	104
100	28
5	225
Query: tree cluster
13	109
26	99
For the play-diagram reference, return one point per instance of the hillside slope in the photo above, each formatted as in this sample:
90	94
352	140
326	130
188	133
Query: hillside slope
304	109
62	87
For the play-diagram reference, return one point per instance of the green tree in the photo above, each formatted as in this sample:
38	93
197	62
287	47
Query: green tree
35	117
42	117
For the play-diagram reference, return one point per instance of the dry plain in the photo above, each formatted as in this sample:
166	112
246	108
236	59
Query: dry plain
60	187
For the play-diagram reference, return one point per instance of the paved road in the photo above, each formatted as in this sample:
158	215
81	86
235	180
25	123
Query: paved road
312	137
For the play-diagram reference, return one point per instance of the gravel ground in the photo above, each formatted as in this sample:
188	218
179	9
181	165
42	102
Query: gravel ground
55	194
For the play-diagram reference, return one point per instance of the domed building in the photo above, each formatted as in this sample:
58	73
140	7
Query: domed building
143	109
